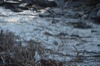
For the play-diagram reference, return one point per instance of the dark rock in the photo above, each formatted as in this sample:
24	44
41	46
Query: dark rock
46	14
93	2
17	10
27	1
98	45
97	18
51	63
1	62
23	6
17	5
74	4
12	7
45	3
1	1
60	3
98	5
94	11
85	16
80	25
98	13
13	64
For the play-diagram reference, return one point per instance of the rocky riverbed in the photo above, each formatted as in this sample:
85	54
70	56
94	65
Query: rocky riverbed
71	38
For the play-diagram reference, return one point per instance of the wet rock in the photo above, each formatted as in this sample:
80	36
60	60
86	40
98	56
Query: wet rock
92	15
93	2
1	62
98	45
24	6
17	10
51	63
45	15
98	13
13	7
74	4
26	1
20	3
45	3
85	16
57	11
12	4
52	13
94	12
60	3
49	34
1	1
17	5
97	10
80	25
70	14
98	5
97	18
13	64
44	12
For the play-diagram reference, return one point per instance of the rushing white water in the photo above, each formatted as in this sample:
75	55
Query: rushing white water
60	37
